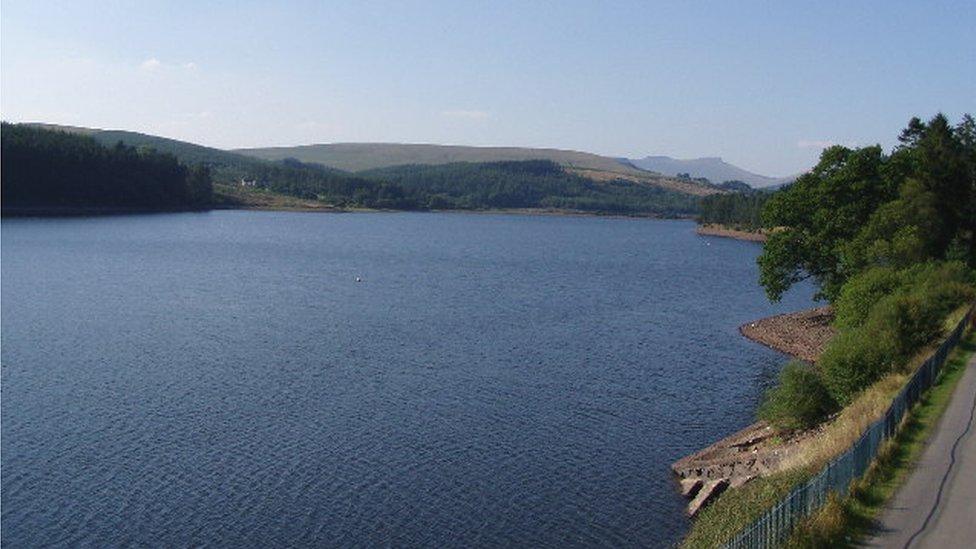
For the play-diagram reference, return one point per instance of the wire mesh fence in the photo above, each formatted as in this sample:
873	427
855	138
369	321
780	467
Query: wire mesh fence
773	527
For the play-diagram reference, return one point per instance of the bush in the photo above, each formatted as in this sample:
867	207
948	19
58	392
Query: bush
944	286
855	359
941	286
908	312
799	401
861	293
907	322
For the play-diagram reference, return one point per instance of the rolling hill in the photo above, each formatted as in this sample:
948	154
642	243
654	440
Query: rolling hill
356	157
714	169
424	177
533	184
189	153
229	170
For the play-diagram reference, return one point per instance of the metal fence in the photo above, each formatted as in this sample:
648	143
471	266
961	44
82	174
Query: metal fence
772	529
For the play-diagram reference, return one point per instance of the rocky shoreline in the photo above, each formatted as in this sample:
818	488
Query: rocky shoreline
803	334
758	450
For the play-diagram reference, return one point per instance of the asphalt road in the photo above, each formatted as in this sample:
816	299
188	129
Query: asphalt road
936	507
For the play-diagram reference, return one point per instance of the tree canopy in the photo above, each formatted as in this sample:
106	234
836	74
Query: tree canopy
859	208
740	210
890	241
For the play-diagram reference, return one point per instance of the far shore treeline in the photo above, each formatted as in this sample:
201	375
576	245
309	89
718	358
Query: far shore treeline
46	169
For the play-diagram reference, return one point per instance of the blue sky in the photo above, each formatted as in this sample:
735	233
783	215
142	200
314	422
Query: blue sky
762	84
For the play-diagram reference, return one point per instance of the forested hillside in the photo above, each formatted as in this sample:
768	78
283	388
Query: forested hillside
460	185
291	178
52	170
528	184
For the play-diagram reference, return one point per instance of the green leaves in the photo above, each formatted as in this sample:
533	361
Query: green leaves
885	316
875	232
738	210
860	208
799	400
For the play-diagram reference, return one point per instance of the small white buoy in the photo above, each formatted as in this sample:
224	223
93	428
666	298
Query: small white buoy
359	279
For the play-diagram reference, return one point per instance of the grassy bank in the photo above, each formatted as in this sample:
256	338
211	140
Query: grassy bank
234	197
842	523
737	509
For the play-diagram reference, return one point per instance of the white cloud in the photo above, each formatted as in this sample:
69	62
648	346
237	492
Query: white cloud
466	114
154	64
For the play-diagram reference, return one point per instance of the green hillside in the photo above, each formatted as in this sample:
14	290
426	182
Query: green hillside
527	184
228	169
366	156
227	166
567	180
357	157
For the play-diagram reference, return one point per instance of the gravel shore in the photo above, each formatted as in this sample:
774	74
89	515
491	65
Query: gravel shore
803	334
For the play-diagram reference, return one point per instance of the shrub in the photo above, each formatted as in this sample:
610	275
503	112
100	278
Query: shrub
799	400
861	293
895	328
944	286
885	316
855	359
907	322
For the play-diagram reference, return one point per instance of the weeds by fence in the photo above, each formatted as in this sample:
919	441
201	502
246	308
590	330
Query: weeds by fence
773	527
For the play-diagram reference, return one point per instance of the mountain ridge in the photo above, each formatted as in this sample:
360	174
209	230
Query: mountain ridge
713	168
361	156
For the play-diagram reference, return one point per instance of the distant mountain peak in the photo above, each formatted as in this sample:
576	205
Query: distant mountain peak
712	168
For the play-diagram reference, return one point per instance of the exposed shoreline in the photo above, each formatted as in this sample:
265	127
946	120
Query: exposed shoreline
753	451
801	334
726	232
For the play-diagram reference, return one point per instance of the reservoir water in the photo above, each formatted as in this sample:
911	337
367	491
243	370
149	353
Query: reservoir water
223	379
